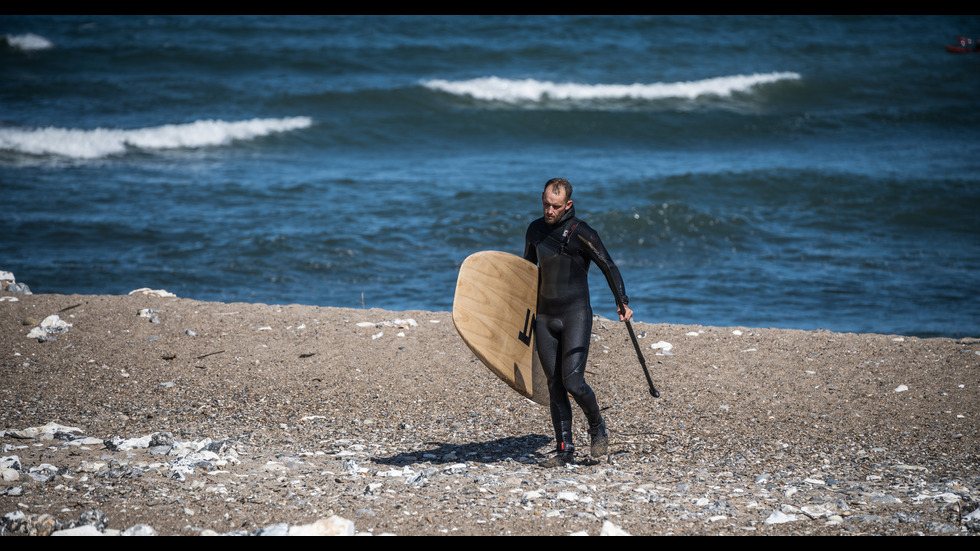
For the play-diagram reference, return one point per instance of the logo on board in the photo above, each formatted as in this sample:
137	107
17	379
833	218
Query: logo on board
525	335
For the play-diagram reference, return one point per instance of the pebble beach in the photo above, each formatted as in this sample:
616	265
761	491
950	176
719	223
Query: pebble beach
151	414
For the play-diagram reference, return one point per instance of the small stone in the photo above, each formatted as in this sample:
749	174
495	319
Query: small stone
139	530
610	529
95	518
43	525
18	288
11	462
531	496
55	325
281	529
333	526
779	517
86	530
153	293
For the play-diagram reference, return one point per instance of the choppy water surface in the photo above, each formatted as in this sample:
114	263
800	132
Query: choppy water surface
785	171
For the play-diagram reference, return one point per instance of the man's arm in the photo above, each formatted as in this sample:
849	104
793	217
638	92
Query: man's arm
530	251
598	254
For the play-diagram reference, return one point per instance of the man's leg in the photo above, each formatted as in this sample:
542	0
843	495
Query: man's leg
576	339
548	342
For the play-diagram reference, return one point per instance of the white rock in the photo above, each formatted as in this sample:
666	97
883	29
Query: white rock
11	462
901	388
399	323
127	444
87	530
44	432
945	497
531	496
54	324
778	517
610	529
817	511
333	526
456	468
664	347
281	529
139	530
91	466
153	292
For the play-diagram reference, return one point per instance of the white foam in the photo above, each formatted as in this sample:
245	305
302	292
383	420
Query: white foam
28	42
103	142
531	90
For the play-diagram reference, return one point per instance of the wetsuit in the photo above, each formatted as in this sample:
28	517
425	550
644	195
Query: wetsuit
564	318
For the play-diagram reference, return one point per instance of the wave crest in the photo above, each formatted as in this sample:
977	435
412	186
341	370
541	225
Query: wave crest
103	142
27	42
531	90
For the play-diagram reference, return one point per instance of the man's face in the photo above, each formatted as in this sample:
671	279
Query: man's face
555	205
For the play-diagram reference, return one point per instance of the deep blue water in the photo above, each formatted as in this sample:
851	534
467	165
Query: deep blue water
763	171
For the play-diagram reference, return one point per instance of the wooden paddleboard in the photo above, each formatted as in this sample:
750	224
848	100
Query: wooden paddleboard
494	310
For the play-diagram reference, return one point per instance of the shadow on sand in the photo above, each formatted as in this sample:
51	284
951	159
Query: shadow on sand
524	449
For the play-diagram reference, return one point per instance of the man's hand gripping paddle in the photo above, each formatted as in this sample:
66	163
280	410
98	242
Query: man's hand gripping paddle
636	346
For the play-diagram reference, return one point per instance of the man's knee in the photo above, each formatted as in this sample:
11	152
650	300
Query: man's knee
575	385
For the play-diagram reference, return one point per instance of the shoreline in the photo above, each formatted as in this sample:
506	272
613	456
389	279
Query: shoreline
387	420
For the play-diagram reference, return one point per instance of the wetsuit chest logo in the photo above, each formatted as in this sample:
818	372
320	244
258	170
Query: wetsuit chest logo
565	237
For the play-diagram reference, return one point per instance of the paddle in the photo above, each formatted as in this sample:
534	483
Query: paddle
636	346
653	391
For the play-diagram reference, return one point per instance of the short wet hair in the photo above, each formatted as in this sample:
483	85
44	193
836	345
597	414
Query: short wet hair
559	184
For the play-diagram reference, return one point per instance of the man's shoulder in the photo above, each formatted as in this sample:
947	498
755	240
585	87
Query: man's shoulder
537	225
582	226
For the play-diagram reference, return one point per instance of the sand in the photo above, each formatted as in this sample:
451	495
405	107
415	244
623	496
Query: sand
402	431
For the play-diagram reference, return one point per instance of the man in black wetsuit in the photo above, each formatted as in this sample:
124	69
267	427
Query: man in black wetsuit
564	247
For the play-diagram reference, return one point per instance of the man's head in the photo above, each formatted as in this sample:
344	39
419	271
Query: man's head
556	199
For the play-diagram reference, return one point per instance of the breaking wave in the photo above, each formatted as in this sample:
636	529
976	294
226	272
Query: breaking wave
27	42
104	142
531	90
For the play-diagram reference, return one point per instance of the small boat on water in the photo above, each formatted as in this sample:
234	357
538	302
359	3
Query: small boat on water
964	46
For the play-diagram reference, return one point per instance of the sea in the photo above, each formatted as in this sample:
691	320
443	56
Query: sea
762	171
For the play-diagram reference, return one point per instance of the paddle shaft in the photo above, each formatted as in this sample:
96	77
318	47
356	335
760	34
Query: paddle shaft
636	346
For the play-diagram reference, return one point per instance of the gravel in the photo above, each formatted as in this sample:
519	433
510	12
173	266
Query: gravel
161	415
